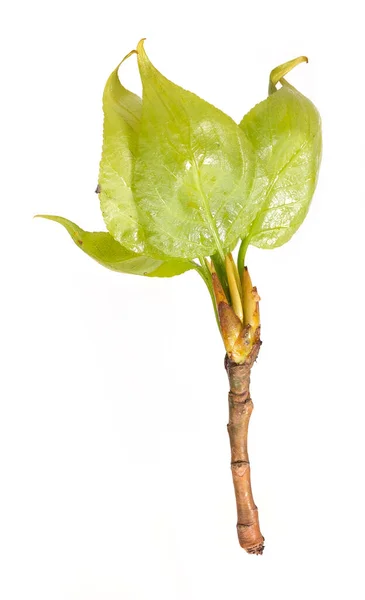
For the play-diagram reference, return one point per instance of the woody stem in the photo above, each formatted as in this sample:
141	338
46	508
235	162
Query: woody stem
240	409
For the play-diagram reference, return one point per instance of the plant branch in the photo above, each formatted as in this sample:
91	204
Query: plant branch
240	409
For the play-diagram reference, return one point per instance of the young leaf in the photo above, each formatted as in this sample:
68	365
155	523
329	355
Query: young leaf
285	131
103	248
193	173
279	72
122	112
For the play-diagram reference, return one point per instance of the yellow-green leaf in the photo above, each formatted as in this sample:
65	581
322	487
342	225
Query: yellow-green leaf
193	173
103	248
285	131
122	113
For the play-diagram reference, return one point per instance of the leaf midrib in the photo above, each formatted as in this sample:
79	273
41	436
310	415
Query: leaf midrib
196	176
209	216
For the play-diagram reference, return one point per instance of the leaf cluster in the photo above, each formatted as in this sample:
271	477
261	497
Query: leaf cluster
179	180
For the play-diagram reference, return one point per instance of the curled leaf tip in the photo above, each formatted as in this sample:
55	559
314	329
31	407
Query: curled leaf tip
127	56
142	58
115	72
279	72
140	46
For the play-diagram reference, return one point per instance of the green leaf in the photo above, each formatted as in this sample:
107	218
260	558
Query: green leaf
103	248
285	131
122	112
193	174
278	73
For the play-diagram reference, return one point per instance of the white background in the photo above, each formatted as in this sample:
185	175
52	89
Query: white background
114	455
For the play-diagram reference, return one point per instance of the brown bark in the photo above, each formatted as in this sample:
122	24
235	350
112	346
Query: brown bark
240	409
